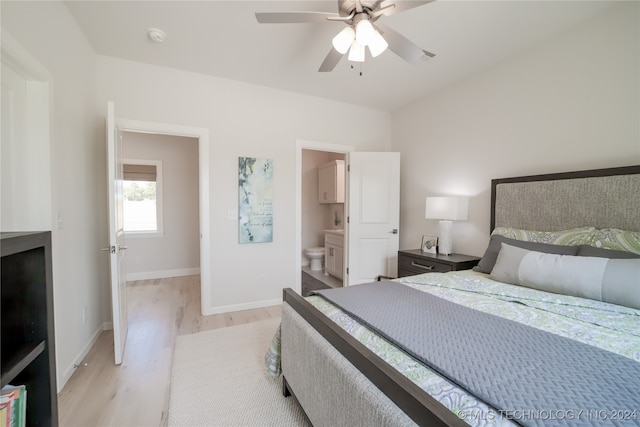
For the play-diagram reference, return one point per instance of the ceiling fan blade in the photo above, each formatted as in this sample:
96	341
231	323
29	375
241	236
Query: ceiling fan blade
402	46
382	10
401	6
330	61
293	17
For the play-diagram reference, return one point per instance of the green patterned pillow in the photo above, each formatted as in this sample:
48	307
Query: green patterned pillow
620	240
573	237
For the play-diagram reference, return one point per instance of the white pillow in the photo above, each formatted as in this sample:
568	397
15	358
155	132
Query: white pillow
616	281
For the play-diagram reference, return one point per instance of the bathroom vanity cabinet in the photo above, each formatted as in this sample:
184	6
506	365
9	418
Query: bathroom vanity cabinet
333	252
331	182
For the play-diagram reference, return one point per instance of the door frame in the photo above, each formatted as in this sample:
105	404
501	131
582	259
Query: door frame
38	102
301	145
202	134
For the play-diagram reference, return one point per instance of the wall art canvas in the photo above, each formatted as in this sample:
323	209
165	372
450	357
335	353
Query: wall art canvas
255	200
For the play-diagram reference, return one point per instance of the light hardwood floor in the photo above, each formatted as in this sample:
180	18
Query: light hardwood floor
136	393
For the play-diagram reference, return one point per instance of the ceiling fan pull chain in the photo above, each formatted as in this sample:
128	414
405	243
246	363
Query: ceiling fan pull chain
360	73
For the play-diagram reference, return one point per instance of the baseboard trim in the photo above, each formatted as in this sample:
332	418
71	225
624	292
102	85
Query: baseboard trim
162	274
239	307
66	375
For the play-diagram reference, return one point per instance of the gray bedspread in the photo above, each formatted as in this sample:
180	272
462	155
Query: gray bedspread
527	374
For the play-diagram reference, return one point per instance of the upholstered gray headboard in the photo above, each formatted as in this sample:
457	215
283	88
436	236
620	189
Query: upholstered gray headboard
601	198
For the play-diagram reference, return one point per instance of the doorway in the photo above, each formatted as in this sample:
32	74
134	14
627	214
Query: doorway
160	206
202	135
323	220
312	218
372	212
25	159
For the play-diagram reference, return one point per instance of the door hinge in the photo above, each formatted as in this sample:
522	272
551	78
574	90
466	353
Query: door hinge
348	168
347	270
348	220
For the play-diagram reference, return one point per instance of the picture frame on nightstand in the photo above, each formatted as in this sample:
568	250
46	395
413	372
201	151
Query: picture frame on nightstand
429	244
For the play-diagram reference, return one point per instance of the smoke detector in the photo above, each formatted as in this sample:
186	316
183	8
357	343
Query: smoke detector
156	34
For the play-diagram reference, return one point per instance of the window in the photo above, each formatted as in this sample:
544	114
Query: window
142	197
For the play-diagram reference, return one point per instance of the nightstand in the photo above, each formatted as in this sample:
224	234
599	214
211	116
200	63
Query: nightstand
414	261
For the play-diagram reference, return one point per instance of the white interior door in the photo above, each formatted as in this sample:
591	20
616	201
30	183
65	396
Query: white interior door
116	234
374	216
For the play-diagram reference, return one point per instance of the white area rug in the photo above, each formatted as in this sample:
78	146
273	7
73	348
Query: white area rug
218	379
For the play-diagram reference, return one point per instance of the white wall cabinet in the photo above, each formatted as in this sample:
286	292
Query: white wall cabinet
331	182
334	253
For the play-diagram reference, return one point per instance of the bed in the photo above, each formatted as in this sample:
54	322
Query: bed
342	362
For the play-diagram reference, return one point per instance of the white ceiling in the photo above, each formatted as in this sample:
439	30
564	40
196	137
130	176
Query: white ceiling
223	38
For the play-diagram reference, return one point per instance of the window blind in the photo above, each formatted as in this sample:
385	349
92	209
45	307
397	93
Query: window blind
139	172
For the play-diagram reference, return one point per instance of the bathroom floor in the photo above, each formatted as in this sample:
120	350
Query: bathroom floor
315	280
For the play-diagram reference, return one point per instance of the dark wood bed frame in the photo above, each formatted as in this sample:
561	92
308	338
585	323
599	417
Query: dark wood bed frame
415	402
418	405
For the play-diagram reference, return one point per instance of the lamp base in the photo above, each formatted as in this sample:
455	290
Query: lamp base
444	240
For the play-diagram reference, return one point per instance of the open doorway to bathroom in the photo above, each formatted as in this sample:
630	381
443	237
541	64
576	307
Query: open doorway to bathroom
322	220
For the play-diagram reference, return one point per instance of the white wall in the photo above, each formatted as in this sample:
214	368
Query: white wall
51	36
177	251
569	104
243	120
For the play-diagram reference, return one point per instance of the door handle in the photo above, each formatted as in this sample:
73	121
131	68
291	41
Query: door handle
112	249
425	267
394	231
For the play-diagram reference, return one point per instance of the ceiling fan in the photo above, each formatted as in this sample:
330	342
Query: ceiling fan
359	17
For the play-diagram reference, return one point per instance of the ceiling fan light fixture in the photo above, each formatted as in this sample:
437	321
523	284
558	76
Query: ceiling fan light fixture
358	16
342	42
356	53
378	44
364	31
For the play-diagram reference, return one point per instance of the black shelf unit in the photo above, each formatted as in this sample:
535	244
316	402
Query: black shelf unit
27	328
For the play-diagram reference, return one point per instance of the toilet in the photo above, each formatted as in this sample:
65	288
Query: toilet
315	255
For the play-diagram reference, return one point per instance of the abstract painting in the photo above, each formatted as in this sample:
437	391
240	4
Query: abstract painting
255	200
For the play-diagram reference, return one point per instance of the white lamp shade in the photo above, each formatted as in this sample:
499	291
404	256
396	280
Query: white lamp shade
377	45
356	54
343	40
448	208
364	32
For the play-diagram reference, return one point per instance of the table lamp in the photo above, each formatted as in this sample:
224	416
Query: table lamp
446	209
